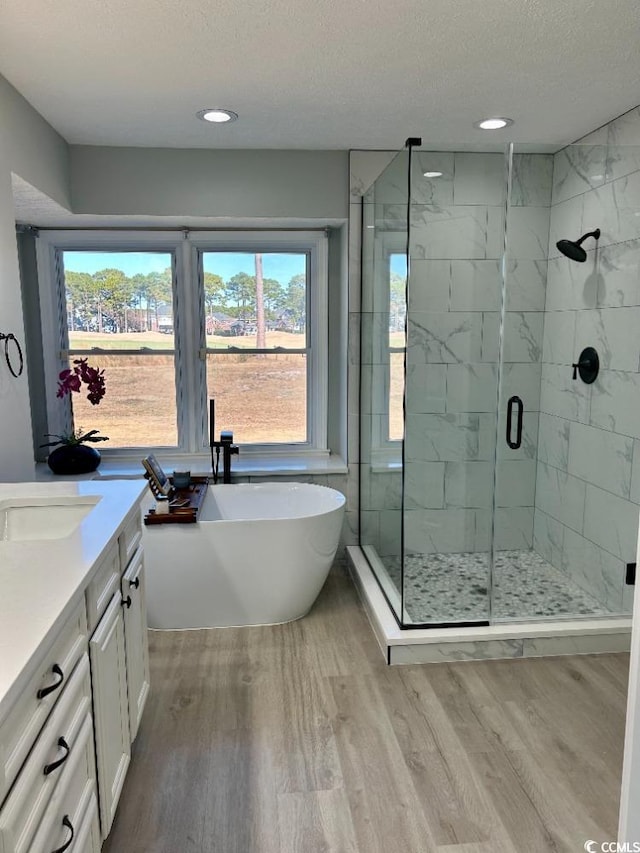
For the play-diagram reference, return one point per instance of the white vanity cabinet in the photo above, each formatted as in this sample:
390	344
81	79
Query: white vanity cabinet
74	676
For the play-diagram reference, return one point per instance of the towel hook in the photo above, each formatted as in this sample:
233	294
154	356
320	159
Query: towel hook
7	358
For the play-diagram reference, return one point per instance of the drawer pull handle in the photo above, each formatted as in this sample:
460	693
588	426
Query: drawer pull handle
44	691
126	602
62	744
67	823
135	583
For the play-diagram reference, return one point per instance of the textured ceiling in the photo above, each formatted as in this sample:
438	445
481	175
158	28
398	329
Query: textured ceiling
322	73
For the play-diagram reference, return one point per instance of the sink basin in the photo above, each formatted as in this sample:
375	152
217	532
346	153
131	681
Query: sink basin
24	519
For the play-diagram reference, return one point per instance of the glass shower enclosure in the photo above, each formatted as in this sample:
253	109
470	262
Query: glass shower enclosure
484	493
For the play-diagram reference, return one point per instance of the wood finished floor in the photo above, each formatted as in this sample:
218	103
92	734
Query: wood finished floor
299	739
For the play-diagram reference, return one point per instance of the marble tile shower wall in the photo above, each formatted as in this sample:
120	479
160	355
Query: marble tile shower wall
456	294
588	472
453	348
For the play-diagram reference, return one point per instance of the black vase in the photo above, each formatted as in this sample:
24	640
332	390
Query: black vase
73	459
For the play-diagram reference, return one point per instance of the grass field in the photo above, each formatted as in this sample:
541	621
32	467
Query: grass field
396	396
158	340
260	398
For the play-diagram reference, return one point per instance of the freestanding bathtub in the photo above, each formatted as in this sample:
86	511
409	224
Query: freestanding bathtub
258	555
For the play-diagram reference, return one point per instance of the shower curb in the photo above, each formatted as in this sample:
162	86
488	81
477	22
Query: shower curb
502	641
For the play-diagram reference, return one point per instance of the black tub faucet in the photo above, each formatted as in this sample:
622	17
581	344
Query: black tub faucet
229	449
225	444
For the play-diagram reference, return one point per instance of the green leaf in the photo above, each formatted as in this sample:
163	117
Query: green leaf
91	436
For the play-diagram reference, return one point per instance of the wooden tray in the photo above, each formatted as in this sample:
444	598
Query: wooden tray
196	493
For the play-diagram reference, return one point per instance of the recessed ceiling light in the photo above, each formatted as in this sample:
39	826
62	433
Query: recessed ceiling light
216	115
432	174
496	123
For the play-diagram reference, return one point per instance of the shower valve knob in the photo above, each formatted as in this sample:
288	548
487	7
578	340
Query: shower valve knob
587	365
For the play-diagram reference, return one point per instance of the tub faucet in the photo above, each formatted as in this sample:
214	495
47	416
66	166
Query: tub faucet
229	449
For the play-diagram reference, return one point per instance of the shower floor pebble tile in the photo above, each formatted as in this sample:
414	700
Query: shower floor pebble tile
455	587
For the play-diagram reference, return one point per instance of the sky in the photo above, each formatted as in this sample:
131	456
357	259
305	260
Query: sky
398	263
279	266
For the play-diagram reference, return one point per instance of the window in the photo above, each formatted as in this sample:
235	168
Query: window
175	318
120	305
257	343
389	348
397	282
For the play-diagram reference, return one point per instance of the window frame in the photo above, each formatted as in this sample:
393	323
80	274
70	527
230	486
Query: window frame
186	248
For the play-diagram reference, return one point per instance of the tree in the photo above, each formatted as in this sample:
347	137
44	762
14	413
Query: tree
260	327
213	291
274	298
139	299
241	289
296	300
397	301
159	290
115	293
79	297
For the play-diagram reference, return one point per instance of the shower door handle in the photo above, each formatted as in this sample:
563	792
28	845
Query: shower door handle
519	405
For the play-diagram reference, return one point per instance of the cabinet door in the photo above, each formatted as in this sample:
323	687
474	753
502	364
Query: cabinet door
110	709
136	643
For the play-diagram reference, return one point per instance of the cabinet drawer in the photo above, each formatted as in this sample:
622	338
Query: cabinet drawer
85	826
88	838
54	749
130	538
21	727
63	824
105	582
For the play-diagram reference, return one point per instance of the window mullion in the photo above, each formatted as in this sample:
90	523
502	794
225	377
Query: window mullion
186	352
198	319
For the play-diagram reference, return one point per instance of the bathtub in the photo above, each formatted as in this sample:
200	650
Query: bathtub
258	555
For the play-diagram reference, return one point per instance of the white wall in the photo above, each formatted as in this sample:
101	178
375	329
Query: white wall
29	147
197	182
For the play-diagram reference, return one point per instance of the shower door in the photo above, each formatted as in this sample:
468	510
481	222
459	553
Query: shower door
455	291
520	586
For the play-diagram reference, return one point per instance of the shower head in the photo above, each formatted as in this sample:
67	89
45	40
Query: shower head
573	250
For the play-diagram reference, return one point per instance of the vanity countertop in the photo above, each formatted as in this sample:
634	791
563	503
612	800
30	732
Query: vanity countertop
41	581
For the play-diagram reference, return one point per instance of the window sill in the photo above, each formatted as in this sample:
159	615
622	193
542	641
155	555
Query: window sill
269	465
386	459
386	467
